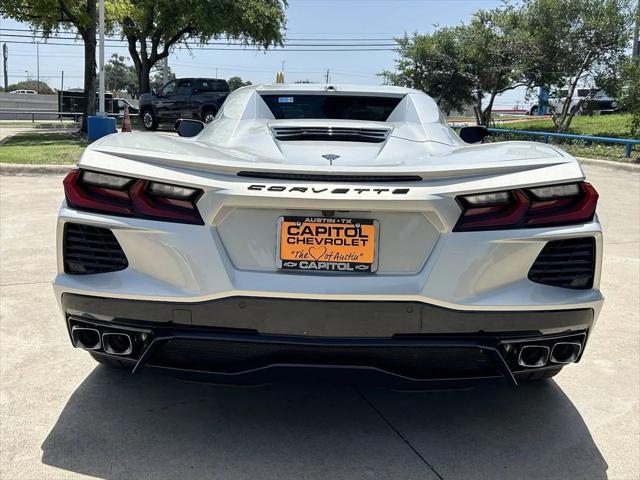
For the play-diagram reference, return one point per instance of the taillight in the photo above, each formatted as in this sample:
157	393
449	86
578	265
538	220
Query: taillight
118	195
528	207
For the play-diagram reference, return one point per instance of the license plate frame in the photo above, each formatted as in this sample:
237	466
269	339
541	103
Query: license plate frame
342	267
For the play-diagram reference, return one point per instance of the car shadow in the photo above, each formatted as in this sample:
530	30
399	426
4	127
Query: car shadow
116	425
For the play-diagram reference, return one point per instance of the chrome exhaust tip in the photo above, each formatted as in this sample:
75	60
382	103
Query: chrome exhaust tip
86	338
117	343
532	356
565	352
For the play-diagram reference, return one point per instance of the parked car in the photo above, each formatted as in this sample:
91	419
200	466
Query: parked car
198	98
24	92
344	229
584	100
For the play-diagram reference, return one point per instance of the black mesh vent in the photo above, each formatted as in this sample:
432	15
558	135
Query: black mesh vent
566	263
88	249
340	134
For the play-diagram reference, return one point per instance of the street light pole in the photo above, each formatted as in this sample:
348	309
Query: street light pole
101	111
38	66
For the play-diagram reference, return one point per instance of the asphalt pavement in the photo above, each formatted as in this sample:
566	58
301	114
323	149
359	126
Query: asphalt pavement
63	416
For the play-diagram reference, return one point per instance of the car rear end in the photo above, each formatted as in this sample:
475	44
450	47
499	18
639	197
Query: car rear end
407	276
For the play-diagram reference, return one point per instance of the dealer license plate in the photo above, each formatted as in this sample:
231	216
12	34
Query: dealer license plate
327	244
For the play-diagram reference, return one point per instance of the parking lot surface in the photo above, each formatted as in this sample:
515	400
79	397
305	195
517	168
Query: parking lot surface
64	416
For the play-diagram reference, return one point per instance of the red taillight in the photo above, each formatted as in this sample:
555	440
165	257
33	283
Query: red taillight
117	195
528	207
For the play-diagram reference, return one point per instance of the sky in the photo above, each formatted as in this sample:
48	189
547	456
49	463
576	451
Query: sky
343	20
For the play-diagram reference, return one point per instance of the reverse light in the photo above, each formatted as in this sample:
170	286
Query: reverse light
118	195
528	207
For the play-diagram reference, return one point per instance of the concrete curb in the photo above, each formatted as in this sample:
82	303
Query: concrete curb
619	166
19	169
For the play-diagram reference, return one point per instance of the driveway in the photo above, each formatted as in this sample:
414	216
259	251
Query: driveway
63	416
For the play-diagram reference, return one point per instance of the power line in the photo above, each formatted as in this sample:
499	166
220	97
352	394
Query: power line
246	49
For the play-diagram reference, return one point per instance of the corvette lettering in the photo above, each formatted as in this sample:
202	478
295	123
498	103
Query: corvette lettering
336	191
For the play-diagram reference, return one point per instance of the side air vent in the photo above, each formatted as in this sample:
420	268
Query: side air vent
566	263
304	177
88	249
340	134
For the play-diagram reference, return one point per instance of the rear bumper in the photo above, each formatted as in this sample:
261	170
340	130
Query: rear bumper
400	344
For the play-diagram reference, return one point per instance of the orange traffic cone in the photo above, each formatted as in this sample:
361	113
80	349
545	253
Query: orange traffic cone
126	125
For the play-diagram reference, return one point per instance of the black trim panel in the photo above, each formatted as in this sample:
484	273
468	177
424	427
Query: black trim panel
326	318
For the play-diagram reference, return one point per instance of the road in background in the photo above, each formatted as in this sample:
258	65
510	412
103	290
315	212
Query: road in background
63	416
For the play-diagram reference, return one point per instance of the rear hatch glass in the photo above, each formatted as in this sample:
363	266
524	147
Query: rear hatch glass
335	107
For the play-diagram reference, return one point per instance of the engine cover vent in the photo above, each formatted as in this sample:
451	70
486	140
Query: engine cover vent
340	134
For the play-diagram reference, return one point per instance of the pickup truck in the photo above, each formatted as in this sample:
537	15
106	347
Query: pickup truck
198	98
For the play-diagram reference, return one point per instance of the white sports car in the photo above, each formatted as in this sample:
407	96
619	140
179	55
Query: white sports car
344	230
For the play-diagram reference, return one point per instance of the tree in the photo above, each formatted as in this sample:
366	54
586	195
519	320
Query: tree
31	85
153	28
623	84
51	16
492	52
157	80
120	76
435	64
571	42
236	82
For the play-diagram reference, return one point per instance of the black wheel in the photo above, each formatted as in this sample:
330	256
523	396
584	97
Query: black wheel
534	110
540	375
149	120
108	361
208	115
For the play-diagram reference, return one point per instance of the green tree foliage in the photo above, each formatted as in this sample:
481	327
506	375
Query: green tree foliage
81	16
120	76
43	88
237	82
157	77
492	48
571	42
434	63
153	27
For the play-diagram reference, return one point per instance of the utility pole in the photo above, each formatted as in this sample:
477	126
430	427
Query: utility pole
5	54
61	96
636	40
101	111
165	71
38	66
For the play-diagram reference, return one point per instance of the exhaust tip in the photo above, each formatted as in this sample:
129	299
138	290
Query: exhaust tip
532	356
86	338
117	343
565	352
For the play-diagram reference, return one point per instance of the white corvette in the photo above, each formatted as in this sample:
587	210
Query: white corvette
329	229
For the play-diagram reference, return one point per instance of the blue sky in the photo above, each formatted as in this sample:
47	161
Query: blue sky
308	19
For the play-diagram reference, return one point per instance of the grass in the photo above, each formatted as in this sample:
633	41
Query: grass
616	125
43	148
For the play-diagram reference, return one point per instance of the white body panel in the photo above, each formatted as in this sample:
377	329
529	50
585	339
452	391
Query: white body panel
233	253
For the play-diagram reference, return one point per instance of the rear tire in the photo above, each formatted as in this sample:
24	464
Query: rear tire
109	362
533	111
149	120
208	115
537	376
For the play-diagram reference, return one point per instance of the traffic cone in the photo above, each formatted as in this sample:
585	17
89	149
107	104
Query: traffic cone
126	124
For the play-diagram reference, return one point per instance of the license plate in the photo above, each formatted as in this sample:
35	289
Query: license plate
327	244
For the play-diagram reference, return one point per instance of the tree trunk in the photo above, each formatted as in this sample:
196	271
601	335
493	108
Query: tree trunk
144	72
486	113
90	45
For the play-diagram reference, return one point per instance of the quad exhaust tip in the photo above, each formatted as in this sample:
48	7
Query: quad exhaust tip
532	356
117	343
85	337
565	352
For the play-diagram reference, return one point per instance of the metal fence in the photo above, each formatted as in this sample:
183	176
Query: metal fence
628	142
